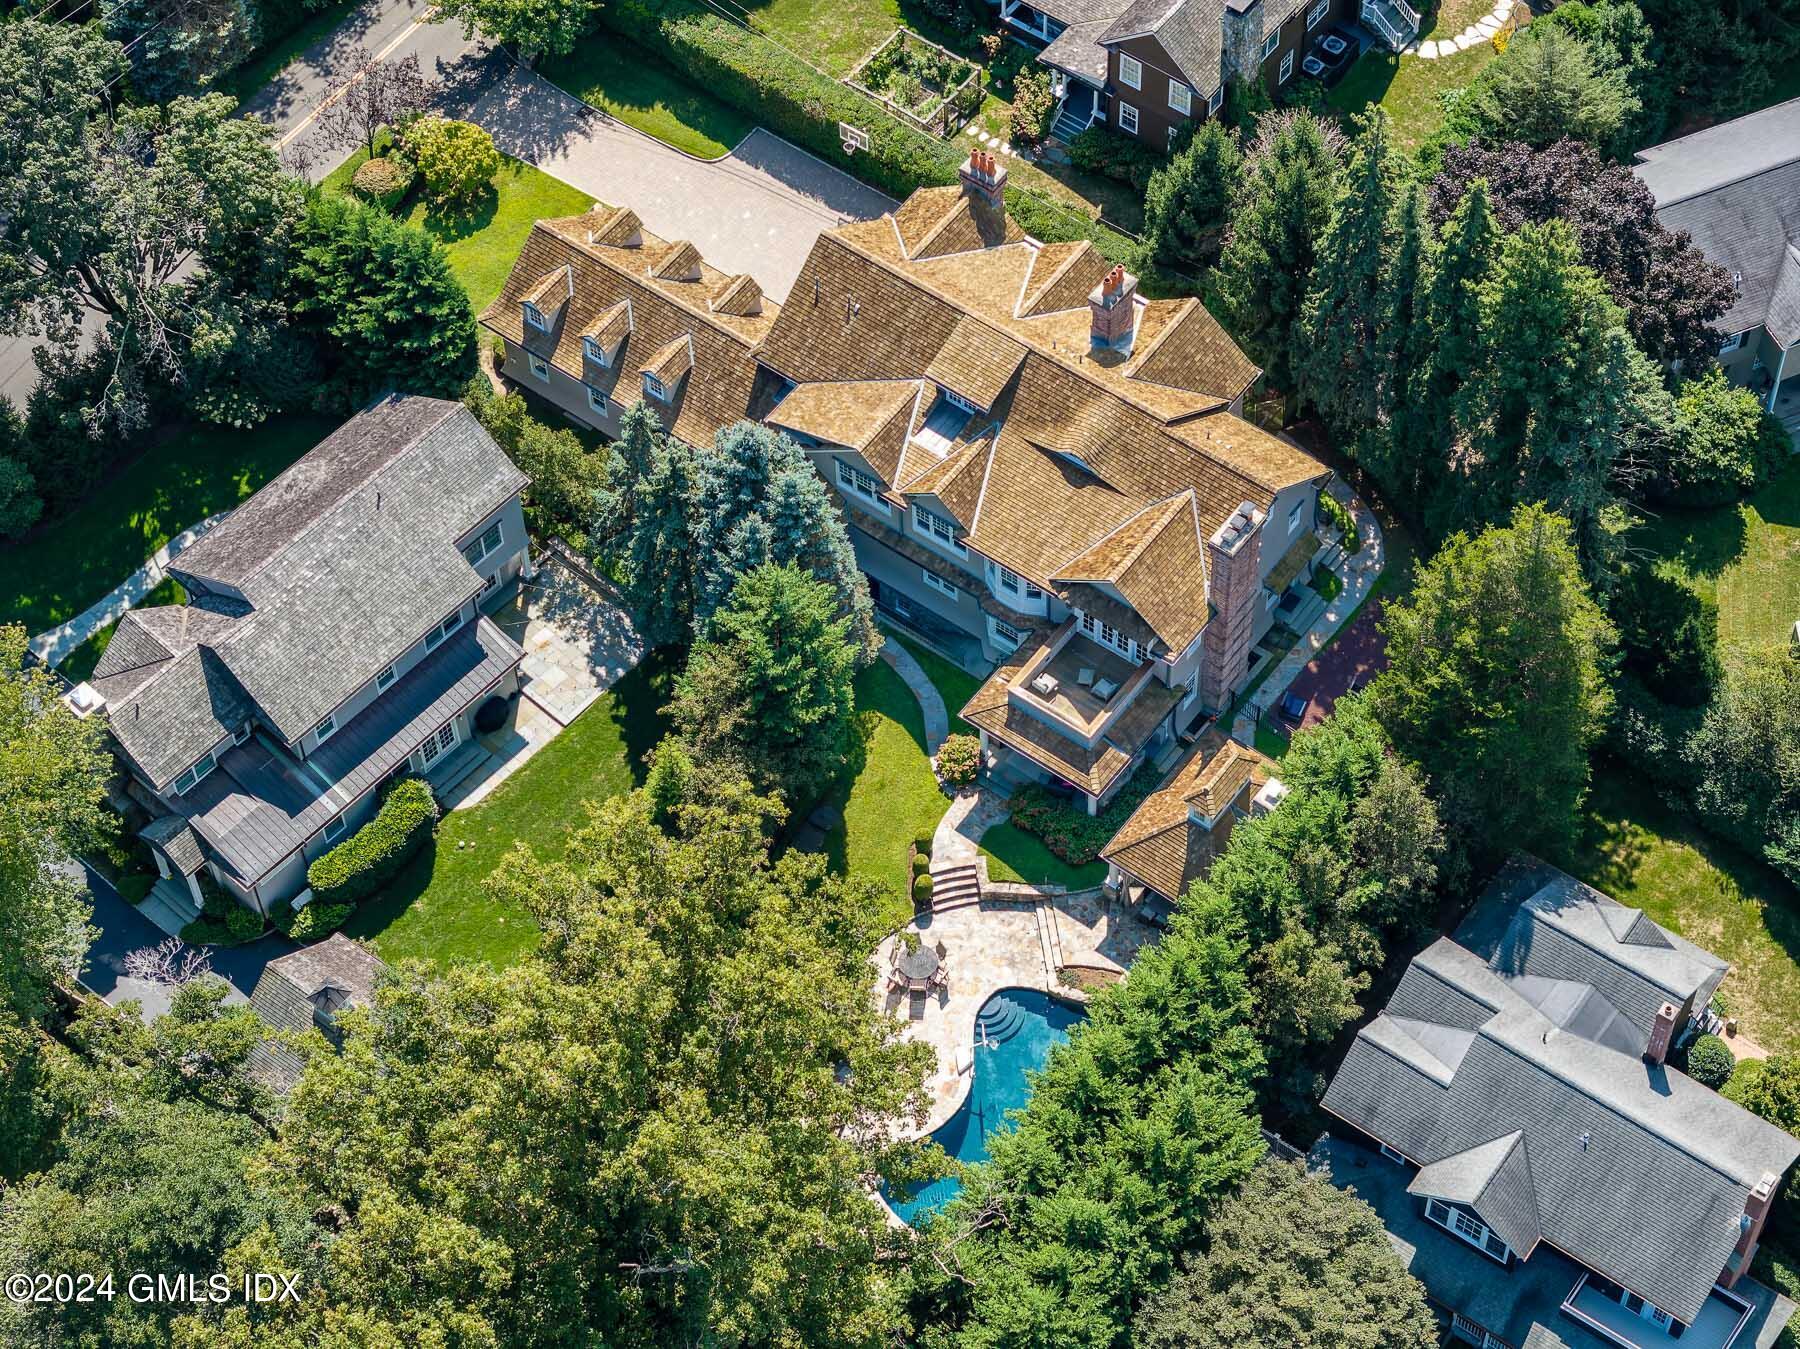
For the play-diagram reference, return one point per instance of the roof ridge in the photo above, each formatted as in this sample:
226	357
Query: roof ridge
1720	186
1062	571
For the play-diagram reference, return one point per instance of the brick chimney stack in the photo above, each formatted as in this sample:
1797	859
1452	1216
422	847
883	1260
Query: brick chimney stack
1112	310
984	179
1662	1031
1750	1226
1234	590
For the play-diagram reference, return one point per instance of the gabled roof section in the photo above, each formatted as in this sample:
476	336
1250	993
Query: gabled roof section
610	326
1190	31
550	290
679	262
673	361
1495	1180
851	413
615	226
193	703
1061	277
956	479
1159	844
976	362
740	295
1157	563
1193	353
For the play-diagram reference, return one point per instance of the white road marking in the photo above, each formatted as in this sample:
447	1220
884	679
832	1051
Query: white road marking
350	84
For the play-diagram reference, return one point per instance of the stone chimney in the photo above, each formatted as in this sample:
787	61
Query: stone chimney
1112	310
1750	1226
984	180
1234	592
1662	1031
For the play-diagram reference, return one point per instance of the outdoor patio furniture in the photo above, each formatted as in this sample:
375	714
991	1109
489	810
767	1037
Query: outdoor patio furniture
1045	684
1085	677
1104	689
919	967
1293	706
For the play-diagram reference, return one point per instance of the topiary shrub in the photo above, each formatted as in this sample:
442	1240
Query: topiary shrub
457	160
921	863
958	759
923	842
922	891
1710	1061
374	854
384	181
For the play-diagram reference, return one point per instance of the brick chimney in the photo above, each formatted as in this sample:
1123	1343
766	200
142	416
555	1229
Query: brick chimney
1112	311
1661	1032
1234	591
1750	1226
984	179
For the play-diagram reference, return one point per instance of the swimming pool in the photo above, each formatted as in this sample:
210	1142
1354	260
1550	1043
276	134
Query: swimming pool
1015	1030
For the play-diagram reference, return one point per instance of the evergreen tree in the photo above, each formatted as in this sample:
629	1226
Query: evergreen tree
1348	361
1546	85
1282	211
771	686
1189	200
1402	452
381	294
658	546
630	459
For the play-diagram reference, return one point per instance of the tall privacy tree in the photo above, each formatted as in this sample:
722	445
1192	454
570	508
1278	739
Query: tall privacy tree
656	546
1291	1259
1551	396
1188	203
1495	683
1402	451
1749	752
1348	353
1547	85
1283	208
531	28
771	688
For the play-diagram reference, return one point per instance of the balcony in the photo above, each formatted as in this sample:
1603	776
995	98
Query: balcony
1052	686
1717	1326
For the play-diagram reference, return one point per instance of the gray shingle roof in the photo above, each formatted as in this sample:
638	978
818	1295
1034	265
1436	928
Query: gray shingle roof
1783	318
1494	1179
1727	153
1077	49
259	804
1190	31
192	704
175	837
1073	12
1637	1171
305	989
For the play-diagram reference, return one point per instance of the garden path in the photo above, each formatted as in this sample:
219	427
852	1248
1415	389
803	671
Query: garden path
1482	30
931	702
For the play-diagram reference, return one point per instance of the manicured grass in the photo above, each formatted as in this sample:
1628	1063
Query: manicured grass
72	561
1644	855
1409	88
80	662
1270	741
955	685
642	92
483	243
1014	855
265	65
438	909
890	796
1746	557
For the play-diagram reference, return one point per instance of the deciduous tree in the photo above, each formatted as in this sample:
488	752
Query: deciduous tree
377	93
1748	750
532	28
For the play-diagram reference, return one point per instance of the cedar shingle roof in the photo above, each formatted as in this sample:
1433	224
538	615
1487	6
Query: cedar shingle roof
847	412
553	285
976	362
740	295
672	362
610	326
663	309
1159	844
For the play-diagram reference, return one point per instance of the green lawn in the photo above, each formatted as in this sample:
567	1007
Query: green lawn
891	796
265	65
80	662
955	685
1409	88
437	909
76	559
1014	855
483	243
1642	854
1746	557
642	92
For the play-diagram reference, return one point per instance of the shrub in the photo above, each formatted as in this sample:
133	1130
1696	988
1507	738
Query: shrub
243	924
374	854
1652	737
921	863
958	758
1338	514
1126	159
923	843
1669	636
1710	1061
383	181
1069	831
922	890
222	924
1033	107
1726	444
457	160
318	921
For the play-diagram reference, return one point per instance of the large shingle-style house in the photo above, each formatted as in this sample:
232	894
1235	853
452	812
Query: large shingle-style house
333	638
597	314
1544	1171
1736	189
1037	464
1148	68
304	990
1170	840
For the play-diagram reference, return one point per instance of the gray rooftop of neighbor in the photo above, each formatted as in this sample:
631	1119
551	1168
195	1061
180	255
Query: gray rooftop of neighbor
1522	1304
305	989
1635	1170
1190	31
260	803
1736	189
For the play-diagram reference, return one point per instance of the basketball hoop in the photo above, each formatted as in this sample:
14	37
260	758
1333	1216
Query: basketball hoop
853	137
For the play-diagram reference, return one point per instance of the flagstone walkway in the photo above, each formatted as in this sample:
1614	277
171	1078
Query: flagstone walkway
1482	30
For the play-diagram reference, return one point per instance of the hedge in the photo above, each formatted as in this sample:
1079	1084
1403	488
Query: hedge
374	854
1710	1061
384	181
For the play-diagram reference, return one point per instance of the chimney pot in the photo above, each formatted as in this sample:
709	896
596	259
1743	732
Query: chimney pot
1662	1032
1112	311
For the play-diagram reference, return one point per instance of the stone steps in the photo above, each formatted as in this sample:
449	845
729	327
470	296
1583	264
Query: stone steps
954	885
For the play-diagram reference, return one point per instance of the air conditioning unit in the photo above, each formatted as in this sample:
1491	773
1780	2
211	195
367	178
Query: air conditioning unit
1272	794
84	700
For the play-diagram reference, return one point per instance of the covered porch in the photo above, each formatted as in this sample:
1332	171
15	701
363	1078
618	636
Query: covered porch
1627	1320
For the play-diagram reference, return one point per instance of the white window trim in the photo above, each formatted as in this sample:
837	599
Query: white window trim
956	400
1287	67
1184	104
935	582
1449	1223
540	368
1108	636
655	388
1731	344
1131	71
1193	690
1004	635
1216	100
853	480
1316	15
536	317
484	549
596	399
923	524
1399	1158
195	774
1294	517
334	828
1270	43
326	728
435	638
595	352
385	678
1128	118
242	733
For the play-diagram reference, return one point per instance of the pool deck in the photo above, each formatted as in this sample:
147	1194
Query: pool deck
998	944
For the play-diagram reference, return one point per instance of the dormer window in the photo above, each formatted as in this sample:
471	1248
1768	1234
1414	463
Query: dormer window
595	352
654	388
956	400
191	778
536	318
487	544
935	527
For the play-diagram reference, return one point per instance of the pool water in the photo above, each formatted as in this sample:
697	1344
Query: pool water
1015	1030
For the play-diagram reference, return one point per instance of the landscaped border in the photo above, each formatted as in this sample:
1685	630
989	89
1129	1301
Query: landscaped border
953	108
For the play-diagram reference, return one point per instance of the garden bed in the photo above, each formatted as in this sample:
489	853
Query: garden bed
924	85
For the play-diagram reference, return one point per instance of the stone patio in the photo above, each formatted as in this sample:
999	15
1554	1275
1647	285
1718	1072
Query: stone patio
577	637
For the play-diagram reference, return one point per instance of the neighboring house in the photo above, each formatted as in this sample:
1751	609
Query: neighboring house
598	315
1148	68
1170	841
333	639
1547	1175
1736	189
305	991
1036	464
